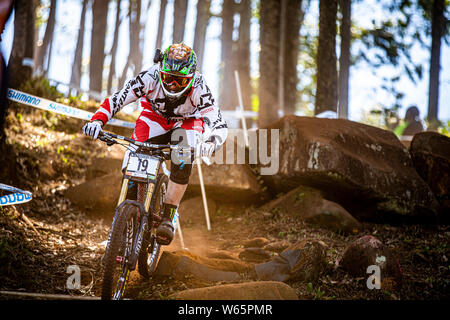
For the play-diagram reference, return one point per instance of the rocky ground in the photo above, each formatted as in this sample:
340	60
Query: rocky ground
39	240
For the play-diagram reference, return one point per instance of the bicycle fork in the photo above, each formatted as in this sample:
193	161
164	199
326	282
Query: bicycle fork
144	199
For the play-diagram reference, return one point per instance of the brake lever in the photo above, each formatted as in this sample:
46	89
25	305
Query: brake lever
108	141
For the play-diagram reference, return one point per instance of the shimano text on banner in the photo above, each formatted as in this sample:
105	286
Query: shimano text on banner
44	104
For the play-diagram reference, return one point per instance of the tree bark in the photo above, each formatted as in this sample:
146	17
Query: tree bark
162	17
99	20
437	31
135	35
112	67
270	13
294	19
242	57
5	13
75	78
326	94
21	60
45	49
179	20
344	59
227	100
201	24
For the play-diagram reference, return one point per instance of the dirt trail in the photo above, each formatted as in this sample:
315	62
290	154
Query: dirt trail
48	161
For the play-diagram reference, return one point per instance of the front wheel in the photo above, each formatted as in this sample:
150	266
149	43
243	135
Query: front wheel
150	250
116	271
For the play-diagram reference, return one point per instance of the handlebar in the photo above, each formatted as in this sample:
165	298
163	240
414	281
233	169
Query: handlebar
109	138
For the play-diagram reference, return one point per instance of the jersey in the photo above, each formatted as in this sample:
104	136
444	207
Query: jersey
198	103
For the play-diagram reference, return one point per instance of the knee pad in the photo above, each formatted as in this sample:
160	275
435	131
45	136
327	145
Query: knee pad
180	173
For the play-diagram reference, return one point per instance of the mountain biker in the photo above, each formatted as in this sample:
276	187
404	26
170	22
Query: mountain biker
175	98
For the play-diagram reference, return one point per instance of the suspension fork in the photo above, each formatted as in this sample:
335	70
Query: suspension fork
144	196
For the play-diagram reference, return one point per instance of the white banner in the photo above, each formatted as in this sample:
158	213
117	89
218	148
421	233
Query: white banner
44	104
19	196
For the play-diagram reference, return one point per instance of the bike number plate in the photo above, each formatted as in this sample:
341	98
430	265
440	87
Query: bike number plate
142	166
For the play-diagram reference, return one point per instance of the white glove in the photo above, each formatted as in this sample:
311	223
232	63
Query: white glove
92	128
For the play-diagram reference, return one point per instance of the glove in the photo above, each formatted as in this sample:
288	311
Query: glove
92	128
207	149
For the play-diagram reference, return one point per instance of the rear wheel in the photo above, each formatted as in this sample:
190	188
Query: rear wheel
116	272
150	250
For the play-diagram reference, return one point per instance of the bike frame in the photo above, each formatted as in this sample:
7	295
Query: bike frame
155	150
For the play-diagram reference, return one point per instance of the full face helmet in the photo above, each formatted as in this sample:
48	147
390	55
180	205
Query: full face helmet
177	71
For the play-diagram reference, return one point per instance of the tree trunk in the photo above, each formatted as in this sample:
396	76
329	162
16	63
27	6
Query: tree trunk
242	57
123	76
179	20
437	31
112	67
45	49
21	60
135	35
75	78
270	12
326	94
344	59
162	17
227	100
294	19
5	14
99	20
200	29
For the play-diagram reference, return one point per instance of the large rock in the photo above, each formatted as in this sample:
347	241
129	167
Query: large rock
364	168
430	153
227	183
369	251
98	196
303	261
263	290
182	263
254	255
308	204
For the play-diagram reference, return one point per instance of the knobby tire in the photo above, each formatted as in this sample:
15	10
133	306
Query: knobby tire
118	247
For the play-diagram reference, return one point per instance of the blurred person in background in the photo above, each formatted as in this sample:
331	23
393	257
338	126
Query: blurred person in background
411	123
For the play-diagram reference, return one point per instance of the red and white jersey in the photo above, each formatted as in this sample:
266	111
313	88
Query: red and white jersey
199	103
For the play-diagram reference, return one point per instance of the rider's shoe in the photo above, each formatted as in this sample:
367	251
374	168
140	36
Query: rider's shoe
166	230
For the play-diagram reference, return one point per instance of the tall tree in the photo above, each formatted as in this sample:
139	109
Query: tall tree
270	13
98	35
135	35
437	31
45	49
179	20
227	100
113	53
75	78
162	17
242	57
344	58
201	24
5	13
326	94
21	59
294	16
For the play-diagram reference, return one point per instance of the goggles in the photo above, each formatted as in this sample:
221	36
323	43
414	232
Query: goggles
170	79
